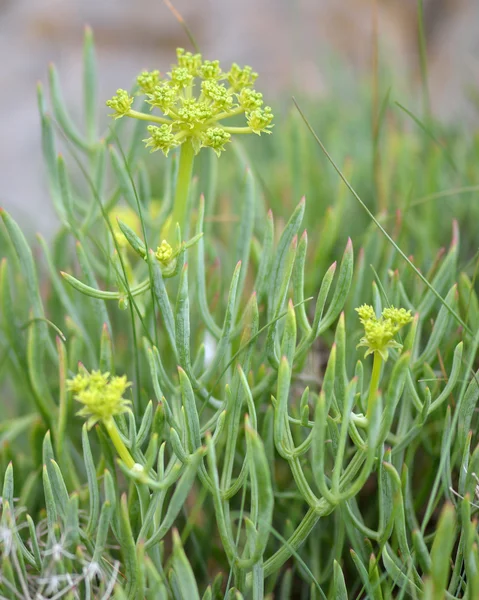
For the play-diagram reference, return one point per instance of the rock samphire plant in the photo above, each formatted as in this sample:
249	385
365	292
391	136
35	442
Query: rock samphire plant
189	416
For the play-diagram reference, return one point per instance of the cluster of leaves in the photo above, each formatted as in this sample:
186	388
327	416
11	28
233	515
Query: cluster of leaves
257	454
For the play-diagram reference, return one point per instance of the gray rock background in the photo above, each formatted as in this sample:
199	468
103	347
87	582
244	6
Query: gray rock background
290	43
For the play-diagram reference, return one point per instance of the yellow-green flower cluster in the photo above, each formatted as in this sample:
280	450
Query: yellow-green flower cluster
164	252
195	98
121	104
101	395
379	332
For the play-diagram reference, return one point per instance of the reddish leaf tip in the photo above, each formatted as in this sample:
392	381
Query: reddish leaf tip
455	234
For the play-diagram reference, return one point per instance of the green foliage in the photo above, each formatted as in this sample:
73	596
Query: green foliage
257	453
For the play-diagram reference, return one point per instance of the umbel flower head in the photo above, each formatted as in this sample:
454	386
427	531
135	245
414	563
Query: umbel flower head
195	99
101	395
379	332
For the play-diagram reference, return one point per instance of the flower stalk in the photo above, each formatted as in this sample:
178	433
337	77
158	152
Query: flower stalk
374	384
102	398
379	339
185	172
120	447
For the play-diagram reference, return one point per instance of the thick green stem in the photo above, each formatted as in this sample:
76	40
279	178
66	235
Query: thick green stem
374	384
118	443
278	559
183	181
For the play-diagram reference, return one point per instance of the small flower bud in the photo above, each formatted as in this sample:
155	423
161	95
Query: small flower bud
216	138
210	69
366	313
181	76
121	103
164	252
187	60
241	77
193	113
148	80
259	120
164	97
220	97
161	138
398	316
250	99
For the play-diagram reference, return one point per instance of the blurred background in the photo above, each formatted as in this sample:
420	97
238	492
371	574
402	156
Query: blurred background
297	46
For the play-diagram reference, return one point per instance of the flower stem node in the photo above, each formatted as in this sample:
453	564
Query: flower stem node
120	103
123	303
380	332
101	395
